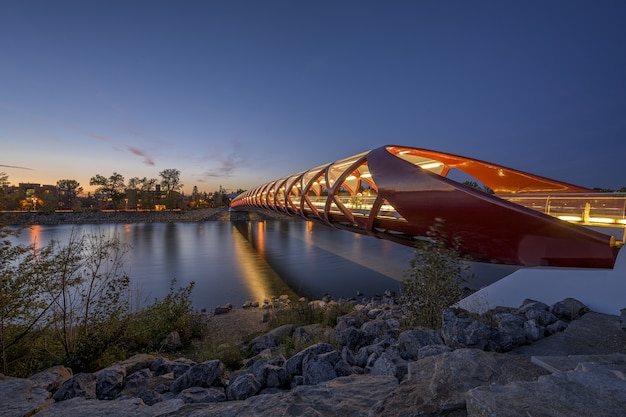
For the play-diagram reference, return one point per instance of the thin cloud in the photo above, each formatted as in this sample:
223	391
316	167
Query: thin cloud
16	167
147	159
100	138
227	163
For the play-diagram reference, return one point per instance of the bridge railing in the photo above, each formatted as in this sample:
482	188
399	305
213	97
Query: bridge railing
589	209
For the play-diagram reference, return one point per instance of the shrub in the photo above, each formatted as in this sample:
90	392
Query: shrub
433	281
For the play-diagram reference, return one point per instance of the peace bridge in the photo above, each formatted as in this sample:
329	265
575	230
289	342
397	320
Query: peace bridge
565	238
397	193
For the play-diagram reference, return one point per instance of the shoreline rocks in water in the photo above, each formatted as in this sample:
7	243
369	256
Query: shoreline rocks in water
468	368
126	217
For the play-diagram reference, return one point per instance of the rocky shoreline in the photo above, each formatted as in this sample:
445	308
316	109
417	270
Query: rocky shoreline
127	217
472	366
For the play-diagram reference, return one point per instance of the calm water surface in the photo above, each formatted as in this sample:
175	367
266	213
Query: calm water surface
232	262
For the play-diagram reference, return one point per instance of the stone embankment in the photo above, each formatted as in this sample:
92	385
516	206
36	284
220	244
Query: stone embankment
126	217
364	366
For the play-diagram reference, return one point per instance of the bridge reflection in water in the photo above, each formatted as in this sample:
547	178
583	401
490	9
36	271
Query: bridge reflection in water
397	193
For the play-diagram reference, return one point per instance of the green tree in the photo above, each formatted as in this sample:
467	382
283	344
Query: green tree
433	281
24	305
69	189
170	183
113	187
4	183
48	202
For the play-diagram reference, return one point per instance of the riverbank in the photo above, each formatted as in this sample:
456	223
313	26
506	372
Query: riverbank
363	365
125	217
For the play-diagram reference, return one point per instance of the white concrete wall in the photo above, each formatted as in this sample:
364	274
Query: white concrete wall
601	290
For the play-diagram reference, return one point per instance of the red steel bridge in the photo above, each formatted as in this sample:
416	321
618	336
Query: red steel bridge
398	193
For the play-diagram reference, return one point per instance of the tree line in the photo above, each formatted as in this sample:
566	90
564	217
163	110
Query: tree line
112	192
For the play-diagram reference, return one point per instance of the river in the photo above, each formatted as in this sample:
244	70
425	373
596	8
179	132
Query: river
234	262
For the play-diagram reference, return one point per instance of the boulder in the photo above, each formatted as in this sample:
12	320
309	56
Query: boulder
130	407
345	396
437	385
150	397
52	378
432	350
591	389
463	332
162	366
294	364
271	339
318	368
244	386
223	309
196	395
511	333
109	383
569	309
390	363
80	385
22	397
410	342
201	375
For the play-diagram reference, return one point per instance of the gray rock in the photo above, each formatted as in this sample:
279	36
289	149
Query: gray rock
80	385
223	309
437	385
463	332
109	383
319	368
511	333
348	356
52	378
294	364
272	339
410	342
347	396
542	317
196	395
378	330
135	363
201	375
556	327
590	389
242	387
569	309
528	304
145	380
534	331
150	397
132	407
391	364
432	350
353	338
162	366
22	397
271	373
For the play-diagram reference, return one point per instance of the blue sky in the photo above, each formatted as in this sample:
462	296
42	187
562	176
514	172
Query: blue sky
237	93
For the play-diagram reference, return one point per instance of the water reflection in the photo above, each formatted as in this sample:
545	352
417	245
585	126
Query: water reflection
261	280
241	261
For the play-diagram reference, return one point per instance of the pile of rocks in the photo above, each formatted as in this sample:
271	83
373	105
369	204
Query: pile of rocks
367	351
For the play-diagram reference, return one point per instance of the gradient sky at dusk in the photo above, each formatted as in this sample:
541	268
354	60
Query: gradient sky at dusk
238	93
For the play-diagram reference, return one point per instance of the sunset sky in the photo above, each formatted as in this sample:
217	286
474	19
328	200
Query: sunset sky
238	93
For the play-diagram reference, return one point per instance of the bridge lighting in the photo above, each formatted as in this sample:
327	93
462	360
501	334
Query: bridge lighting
571	218
430	165
601	220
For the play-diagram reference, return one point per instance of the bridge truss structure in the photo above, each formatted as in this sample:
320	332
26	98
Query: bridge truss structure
502	215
